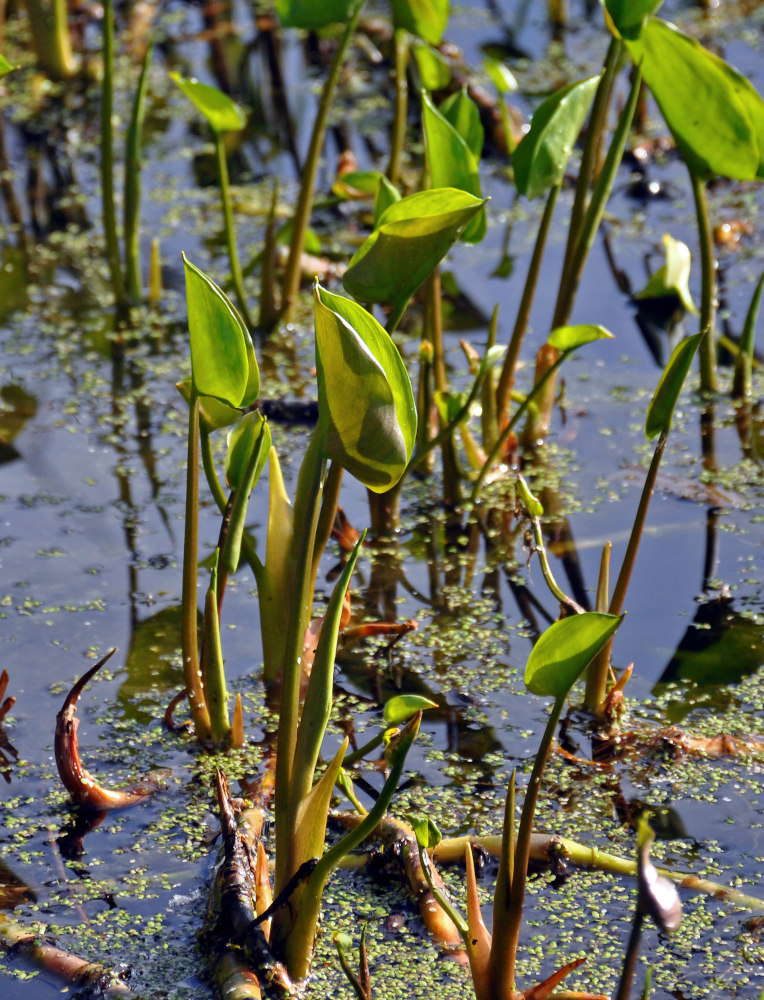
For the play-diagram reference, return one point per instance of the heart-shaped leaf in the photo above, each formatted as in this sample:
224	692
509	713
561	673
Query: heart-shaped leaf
450	161
223	361
427	19
568	338
565	650
661	409
542	154
222	114
366	405
674	277
412	237
715	115
312	13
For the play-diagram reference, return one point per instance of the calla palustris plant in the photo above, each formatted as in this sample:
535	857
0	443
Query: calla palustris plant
223	367
672	279
558	659
427	19
411	238
453	145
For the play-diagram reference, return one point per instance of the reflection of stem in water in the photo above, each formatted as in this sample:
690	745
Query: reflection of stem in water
712	545
708	436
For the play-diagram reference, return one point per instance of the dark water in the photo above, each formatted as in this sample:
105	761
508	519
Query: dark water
91	523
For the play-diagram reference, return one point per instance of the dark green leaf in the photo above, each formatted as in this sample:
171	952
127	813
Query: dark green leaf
450	161
426	832
661	408
412	238
355	182
213	414
715	115
565	650
250	434
312	13
568	338
427	19
222	114
222	356
366	405
542	155
628	16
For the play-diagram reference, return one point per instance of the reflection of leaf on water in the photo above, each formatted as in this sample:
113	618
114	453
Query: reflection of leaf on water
13	282
13	891
152	662
722	646
16	407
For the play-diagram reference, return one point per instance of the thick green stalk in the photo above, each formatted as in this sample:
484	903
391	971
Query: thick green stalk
398	135
189	637
291	285
598	669
592	140
596	208
506	936
49	25
107	157
230	235
506	873
506	378
213	670
306	511
132	205
708	285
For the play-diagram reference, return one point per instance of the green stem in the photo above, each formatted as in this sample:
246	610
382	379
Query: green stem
189	636
306	510
213	670
592	140
630	959
230	235
708	286
601	663
506	937
507	376
291	285
398	136
596	208
132	205
49	25
107	157
597	671
546	569
442	899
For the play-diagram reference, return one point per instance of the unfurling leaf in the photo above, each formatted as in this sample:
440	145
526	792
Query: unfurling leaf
673	278
400	708
661	409
367	412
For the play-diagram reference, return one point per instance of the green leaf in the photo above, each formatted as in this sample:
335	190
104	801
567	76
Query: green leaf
629	16
434	71
427	19
387	195
565	650
412	237
250	433
568	338
450	161
502	78
366	405
715	115
5	67
223	361
400	708
426	832
542	154
673	278
661	408
312	13
222	114
363	181
461	111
